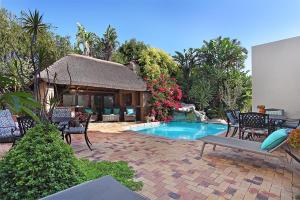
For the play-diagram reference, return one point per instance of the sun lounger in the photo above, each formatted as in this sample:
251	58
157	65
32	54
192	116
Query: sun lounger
234	143
105	188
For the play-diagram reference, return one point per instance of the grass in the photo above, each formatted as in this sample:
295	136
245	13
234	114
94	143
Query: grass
120	170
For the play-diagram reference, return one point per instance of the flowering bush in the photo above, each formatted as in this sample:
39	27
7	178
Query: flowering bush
80	116
294	138
165	97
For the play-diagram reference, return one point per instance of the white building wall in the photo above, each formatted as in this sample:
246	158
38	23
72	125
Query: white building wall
276	76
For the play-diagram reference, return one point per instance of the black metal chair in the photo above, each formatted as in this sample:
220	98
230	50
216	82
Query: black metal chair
79	130
237	114
254	124
61	116
8	129
290	123
232	122
25	123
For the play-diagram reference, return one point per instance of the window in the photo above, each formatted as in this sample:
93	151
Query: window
69	100
84	101
108	101
127	99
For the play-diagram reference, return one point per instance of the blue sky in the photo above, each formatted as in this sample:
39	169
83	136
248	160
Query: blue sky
173	25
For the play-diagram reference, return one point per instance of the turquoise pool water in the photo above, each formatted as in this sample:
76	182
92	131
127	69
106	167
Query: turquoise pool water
183	130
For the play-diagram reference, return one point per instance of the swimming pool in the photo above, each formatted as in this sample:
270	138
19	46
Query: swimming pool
182	130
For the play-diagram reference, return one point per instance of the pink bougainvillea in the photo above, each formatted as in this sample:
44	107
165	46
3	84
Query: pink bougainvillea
165	97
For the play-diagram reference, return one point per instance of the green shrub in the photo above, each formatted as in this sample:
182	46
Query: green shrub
119	170
40	164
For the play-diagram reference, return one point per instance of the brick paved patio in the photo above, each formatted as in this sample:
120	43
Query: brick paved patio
173	170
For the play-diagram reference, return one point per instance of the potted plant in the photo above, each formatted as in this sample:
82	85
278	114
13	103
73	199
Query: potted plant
294	141
261	108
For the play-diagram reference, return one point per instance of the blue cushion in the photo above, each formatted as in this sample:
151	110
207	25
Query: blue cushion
274	139
107	111
116	111
130	111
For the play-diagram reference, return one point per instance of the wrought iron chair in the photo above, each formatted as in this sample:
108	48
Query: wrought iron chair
254	124
290	123
62	117
237	114
231	122
275	123
25	123
8	129
79	130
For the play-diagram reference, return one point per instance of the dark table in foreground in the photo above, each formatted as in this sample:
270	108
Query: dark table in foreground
105	188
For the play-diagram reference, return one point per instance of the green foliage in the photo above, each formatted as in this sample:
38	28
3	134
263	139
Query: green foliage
40	164
224	53
16	43
187	61
215	77
17	102
88	43
201	93
119	170
298	197
129	51
155	62
109	42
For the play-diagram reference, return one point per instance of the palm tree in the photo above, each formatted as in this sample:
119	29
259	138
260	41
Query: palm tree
83	38
109	42
33	25
187	60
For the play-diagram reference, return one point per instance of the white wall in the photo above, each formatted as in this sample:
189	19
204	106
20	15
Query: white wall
276	76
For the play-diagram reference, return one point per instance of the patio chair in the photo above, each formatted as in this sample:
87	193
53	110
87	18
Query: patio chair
234	143
78	130
104	188
231	122
275	123
111	115
61	116
25	123
130	114
8	129
290	123
254	124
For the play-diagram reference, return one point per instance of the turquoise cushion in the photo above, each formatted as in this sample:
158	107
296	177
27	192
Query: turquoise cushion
274	139
88	110
130	111
107	111
116	111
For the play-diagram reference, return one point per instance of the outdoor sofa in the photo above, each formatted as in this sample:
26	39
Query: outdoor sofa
111	115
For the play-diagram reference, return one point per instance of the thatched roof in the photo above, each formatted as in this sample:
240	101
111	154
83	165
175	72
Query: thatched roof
87	71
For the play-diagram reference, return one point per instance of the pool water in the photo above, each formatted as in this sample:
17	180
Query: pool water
183	130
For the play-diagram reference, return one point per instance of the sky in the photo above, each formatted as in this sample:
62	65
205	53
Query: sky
172	25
